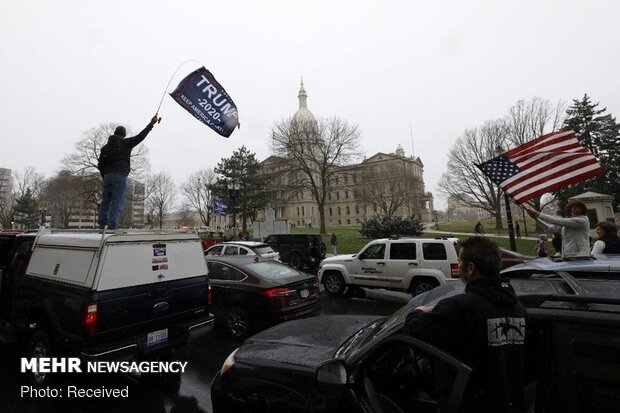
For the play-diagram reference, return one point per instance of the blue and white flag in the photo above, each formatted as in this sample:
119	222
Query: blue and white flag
220	208
202	96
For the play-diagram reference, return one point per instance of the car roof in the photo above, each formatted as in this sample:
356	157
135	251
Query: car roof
237	259
594	263
251	244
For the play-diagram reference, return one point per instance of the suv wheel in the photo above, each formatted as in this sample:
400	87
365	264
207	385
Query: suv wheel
296	261
422	284
334	283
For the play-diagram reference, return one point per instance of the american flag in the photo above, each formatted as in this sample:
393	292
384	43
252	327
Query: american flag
542	165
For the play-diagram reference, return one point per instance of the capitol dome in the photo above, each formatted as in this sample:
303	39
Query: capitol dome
303	114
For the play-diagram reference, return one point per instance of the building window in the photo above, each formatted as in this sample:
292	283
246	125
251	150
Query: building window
357	209
348	221
330	212
339	222
348	210
303	212
338	195
329	196
297	211
338	211
346	194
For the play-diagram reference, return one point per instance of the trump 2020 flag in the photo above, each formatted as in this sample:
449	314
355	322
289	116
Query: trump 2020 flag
202	96
220	208
542	165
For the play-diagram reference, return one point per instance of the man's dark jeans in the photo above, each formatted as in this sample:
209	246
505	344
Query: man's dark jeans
114	187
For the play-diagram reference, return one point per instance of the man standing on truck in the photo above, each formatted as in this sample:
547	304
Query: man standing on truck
114	166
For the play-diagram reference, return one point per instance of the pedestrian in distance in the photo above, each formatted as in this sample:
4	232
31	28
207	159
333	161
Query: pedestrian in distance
518	229
479	229
542	247
574	228
114	165
334	242
484	328
608	241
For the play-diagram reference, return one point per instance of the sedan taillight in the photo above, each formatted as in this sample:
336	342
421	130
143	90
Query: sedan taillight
278	292
89	322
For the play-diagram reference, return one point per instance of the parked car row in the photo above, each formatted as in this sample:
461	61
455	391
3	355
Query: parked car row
366	364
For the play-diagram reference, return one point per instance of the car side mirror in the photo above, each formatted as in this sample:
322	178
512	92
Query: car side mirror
332	376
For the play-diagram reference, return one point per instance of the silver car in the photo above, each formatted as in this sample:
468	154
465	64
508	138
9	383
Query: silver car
243	248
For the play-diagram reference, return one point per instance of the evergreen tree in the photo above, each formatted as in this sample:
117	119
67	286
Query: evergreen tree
27	210
243	169
599	132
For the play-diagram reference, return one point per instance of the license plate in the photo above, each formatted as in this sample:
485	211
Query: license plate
304	293
156	337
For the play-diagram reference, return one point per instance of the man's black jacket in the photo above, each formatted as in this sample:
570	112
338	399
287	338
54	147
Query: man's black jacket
485	329
116	154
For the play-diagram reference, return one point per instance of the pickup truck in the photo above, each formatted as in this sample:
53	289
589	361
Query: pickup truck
412	265
103	297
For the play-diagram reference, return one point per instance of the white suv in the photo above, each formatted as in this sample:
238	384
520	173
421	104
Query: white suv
412	265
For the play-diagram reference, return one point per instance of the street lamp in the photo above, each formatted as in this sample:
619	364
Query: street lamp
233	191
511	233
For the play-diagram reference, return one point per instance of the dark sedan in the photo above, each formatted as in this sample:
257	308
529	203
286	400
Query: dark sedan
250	293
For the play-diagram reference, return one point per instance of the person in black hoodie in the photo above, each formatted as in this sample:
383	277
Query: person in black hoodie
484	328
114	166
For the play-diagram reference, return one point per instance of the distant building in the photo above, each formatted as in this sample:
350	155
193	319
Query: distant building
383	182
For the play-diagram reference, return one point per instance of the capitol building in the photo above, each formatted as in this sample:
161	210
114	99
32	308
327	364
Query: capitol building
386	183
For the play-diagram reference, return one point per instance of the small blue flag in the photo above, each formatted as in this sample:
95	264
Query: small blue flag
220	208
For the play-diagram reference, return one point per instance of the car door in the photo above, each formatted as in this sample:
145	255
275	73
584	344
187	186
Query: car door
404	374
402	264
368	267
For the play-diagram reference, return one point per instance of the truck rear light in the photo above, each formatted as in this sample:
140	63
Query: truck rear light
278	292
90	319
209	294
454	270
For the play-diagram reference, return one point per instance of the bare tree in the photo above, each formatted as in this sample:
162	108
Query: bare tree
388	196
160	197
198	194
314	152
61	195
464	182
529	119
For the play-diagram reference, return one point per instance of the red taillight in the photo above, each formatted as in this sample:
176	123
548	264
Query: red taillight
90	319
209	295
454	270
278	292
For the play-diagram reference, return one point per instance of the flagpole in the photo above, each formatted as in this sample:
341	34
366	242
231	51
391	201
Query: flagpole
168	85
511	232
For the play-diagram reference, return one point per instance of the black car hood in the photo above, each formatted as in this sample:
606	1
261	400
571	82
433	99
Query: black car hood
303	343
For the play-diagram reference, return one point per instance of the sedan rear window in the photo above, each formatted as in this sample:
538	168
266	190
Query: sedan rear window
265	249
272	270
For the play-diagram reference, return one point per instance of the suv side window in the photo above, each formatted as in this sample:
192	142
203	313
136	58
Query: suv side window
434	251
402	251
272	239
374	252
231	250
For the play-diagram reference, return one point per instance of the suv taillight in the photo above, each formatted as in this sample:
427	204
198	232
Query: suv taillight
90	318
209	295
278	292
454	270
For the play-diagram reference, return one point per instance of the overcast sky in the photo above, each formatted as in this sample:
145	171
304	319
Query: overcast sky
441	66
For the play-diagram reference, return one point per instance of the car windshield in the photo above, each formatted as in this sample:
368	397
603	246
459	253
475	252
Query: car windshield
379	328
272	270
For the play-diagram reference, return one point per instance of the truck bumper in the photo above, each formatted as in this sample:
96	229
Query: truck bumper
137	347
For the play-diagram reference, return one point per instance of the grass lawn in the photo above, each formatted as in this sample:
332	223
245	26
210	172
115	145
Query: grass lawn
350	241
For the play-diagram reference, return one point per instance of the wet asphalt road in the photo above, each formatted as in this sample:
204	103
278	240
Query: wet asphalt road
191	395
